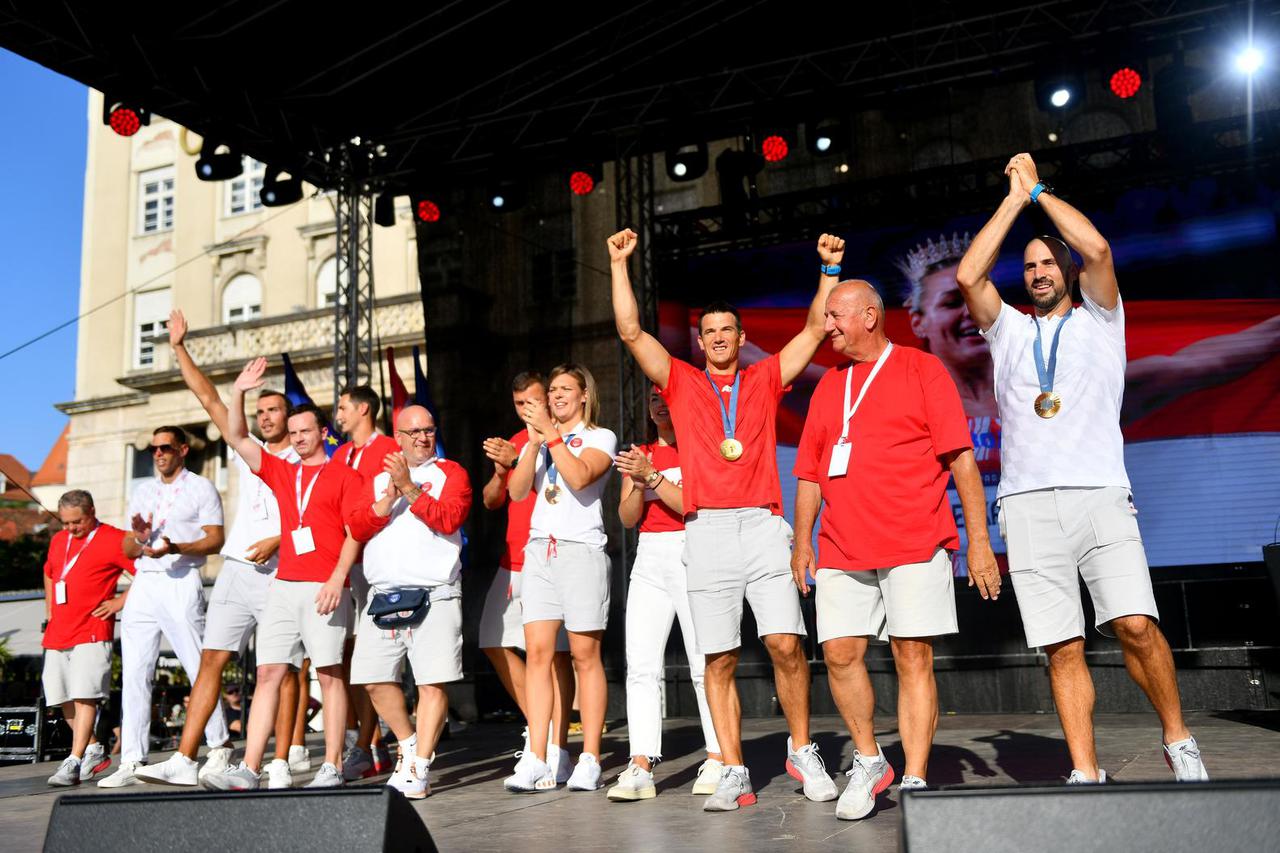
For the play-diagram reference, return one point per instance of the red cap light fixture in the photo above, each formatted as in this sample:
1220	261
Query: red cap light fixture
426	210
124	119
774	148
1125	83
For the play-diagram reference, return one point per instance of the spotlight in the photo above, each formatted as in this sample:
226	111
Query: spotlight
384	209
498	200
582	181
687	162
776	144
215	165
123	118
825	137
426	210
1056	92
1250	60
1125	83
277	191
506	195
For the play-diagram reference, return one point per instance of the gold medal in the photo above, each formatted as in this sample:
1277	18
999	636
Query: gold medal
1048	404
731	449
552	494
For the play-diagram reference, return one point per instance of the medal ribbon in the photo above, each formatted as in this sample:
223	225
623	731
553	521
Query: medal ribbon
302	499
862	392
1046	375
552	473
164	509
68	564
728	414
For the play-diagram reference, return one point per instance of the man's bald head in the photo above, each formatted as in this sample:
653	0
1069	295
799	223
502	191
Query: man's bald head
857	295
411	416
416	434
854	319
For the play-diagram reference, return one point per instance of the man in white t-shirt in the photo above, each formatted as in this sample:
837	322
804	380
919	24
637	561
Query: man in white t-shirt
1066	511
177	522
240	593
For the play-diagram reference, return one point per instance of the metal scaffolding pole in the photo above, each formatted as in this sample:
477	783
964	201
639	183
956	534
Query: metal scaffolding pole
353	310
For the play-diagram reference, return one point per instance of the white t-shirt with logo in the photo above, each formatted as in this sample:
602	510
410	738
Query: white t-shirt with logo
1081	446
575	516
179	511
257	513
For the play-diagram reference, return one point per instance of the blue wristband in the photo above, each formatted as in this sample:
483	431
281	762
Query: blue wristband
1035	192
829	269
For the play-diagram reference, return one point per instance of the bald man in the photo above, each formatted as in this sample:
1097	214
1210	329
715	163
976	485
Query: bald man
413	529
883	435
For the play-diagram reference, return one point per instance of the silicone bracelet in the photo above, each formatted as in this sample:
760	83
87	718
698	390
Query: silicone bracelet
553	442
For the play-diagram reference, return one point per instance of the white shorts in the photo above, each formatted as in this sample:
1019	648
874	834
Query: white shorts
236	606
1055	537
291	627
567	582
359	591
911	600
502	619
732	554
433	648
80	672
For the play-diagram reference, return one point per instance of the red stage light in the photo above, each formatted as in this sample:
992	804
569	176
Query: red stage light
428	211
581	183
774	148
1125	83
125	121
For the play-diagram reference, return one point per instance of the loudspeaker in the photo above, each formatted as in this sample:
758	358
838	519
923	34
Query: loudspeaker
373	818
1224	817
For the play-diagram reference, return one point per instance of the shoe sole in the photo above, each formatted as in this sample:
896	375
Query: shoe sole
633	795
53	784
880	788
703	790
742	800
794	773
148	780
118	784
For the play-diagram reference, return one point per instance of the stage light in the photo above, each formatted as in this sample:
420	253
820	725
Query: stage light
844	168
506	195
124	119
384	209
1055	92
1250	60
1125	83
825	137
498	200
687	162
277	191
1060	97
586	178
215	165
426	210
774	148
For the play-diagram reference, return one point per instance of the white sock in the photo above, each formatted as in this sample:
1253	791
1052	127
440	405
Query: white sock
869	761
421	764
409	745
185	759
78	758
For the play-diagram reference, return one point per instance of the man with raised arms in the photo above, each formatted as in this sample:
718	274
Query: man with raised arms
248	565
307	602
736	540
1066	511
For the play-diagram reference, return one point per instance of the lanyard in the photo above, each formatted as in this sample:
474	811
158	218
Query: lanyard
302	499
360	455
68	564
1046	374
728	414
549	464
862	392
164	509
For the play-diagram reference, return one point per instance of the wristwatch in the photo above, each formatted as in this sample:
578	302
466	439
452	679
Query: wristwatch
1041	187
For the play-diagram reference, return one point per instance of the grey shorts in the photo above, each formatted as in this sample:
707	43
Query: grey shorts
912	600
359	590
433	648
80	672
236	605
736	554
291	626
502	619
1056	537
567	582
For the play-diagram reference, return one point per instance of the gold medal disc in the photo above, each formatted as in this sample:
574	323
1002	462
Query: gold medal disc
1048	404
552	494
731	449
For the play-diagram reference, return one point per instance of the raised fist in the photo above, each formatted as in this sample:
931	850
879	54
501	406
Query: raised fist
830	249
622	244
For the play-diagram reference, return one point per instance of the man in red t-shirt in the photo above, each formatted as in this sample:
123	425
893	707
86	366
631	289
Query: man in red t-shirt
85	560
357	416
307	602
883	435
501	630
736	540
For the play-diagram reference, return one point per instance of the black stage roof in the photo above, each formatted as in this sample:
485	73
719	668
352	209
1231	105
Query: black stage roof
453	91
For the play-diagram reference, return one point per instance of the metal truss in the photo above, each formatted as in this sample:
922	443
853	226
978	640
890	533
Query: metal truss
353	355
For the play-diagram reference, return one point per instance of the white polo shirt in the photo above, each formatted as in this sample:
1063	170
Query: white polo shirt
408	553
179	511
1082	446
257	513
574	517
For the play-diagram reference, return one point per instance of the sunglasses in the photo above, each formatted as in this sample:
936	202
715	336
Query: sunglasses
163	448
420	432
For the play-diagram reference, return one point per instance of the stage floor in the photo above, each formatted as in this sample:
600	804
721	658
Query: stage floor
469	810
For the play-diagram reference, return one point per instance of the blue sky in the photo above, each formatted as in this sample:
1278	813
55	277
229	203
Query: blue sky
42	157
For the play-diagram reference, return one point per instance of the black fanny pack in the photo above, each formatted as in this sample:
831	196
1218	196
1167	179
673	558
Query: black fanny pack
402	608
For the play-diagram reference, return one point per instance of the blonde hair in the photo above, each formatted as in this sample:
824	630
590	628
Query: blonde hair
587	383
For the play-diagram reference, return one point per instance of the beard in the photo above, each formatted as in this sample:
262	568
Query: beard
1049	300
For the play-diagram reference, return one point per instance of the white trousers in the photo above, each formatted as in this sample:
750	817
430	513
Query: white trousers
159	603
657	594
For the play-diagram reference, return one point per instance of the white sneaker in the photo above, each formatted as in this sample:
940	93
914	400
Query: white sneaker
299	758
412	777
124	775
732	791
708	777
94	762
634	783
279	776
586	776
805	765
911	783
531	775
327	776
238	778
68	773
356	764
218	760
866	782
560	761
176	770
1183	758
1077	777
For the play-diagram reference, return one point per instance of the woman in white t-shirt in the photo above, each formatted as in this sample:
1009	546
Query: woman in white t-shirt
566	571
